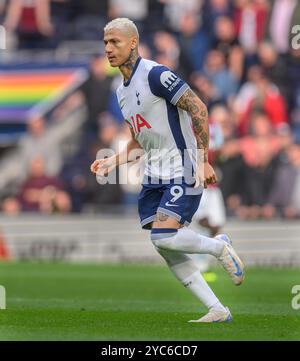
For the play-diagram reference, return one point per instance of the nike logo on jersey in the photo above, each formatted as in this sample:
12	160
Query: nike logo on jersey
170	204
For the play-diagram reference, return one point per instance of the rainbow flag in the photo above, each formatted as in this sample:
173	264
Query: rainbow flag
25	93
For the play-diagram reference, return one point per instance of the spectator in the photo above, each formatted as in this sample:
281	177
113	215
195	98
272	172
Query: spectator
193	41
61	13
169	53
285	193
43	193
11	206
211	11
250	22
227	42
175	10
97	90
264	96
86	193
205	89
281	20
2	10
89	18
136	10
224	81
80	183
32	22
155	11
260	152
229	160
274	67
40	142
294	86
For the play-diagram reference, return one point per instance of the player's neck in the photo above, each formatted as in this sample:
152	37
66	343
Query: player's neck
127	68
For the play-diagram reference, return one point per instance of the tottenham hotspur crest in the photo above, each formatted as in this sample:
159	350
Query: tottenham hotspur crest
137	94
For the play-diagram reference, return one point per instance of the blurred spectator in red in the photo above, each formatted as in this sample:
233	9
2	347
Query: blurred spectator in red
260	152
250	21
261	132
42	193
262	96
247	91
285	194
31	20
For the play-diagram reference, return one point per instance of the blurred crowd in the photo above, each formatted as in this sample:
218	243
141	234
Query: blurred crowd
235	54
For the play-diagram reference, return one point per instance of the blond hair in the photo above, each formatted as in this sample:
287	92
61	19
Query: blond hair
123	24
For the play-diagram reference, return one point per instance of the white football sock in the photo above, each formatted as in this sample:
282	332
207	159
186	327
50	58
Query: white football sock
187	272
186	241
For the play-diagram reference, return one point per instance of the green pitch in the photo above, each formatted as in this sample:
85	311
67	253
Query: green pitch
140	302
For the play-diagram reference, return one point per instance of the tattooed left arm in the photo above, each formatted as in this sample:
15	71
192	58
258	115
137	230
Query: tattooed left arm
198	111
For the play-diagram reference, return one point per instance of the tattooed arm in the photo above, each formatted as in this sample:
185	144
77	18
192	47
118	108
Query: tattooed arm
198	112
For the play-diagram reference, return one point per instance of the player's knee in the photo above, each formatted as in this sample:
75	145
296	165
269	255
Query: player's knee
163	237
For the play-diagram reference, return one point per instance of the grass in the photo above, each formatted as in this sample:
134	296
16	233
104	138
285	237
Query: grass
57	301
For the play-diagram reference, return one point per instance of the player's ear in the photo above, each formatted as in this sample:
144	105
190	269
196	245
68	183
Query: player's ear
134	43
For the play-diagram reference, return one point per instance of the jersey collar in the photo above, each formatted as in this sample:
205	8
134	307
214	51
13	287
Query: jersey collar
127	82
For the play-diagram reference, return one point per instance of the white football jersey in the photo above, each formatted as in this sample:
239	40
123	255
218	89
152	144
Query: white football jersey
148	103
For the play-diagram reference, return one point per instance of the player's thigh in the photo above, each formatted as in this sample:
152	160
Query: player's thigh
149	200
177	206
165	221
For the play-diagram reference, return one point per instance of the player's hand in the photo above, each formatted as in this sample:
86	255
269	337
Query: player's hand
103	167
205	175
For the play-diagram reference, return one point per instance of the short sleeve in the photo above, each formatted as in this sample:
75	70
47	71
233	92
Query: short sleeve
166	84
